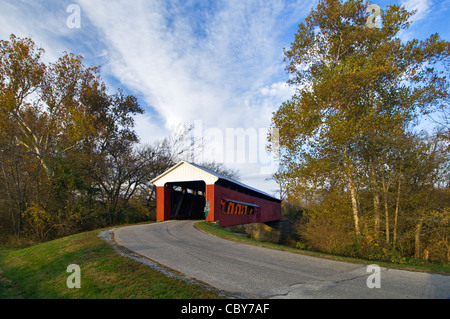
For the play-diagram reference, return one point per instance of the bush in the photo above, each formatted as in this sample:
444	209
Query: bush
328	235
38	222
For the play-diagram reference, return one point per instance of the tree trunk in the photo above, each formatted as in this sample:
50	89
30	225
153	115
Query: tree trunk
397	207
446	242
376	202
353	193
417	239
386	209
376	208
15	195
354	207
35	147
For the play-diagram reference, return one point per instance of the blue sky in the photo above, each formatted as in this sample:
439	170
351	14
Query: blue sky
218	63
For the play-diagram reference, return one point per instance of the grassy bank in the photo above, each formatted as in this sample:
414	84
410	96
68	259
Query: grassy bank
40	272
216	230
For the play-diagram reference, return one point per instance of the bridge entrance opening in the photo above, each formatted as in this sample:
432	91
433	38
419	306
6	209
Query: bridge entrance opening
188	200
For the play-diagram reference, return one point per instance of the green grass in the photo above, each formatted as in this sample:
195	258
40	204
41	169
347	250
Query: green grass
216	230
40	272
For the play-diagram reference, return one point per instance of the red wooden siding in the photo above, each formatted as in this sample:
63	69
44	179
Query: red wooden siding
266	211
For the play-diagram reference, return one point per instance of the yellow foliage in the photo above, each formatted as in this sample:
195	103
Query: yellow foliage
38	222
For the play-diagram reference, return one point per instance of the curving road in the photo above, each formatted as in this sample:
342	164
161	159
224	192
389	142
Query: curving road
255	272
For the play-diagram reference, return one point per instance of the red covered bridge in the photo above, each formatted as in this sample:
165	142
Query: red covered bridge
190	191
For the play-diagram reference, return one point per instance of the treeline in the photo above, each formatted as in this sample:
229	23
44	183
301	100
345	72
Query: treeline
403	208
70	160
370	183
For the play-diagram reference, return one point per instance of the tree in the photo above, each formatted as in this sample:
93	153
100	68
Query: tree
58	107
57	121
354	83
22	75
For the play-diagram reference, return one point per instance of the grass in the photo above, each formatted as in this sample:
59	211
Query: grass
216	230
39	272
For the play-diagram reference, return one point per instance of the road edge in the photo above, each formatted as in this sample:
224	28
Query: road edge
108	237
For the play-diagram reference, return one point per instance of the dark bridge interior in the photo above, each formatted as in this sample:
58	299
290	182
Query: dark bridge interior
188	200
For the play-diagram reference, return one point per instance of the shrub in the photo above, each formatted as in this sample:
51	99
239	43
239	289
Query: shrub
38	222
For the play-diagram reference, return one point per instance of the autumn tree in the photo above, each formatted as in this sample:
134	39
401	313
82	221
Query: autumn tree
56	121
359	91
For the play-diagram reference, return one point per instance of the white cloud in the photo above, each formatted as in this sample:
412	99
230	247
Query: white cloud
148	130
210	70
423	8
147	57
31	19
280	90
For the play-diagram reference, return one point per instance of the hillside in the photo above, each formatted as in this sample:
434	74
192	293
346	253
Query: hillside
40	272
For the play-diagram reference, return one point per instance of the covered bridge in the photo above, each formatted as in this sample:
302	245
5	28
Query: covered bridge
191	191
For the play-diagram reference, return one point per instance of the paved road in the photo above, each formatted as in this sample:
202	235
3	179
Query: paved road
255	272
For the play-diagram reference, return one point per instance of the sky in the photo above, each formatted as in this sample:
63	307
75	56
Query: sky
217	65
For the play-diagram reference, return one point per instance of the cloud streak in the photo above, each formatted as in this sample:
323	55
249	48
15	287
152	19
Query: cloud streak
423	8
193	62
